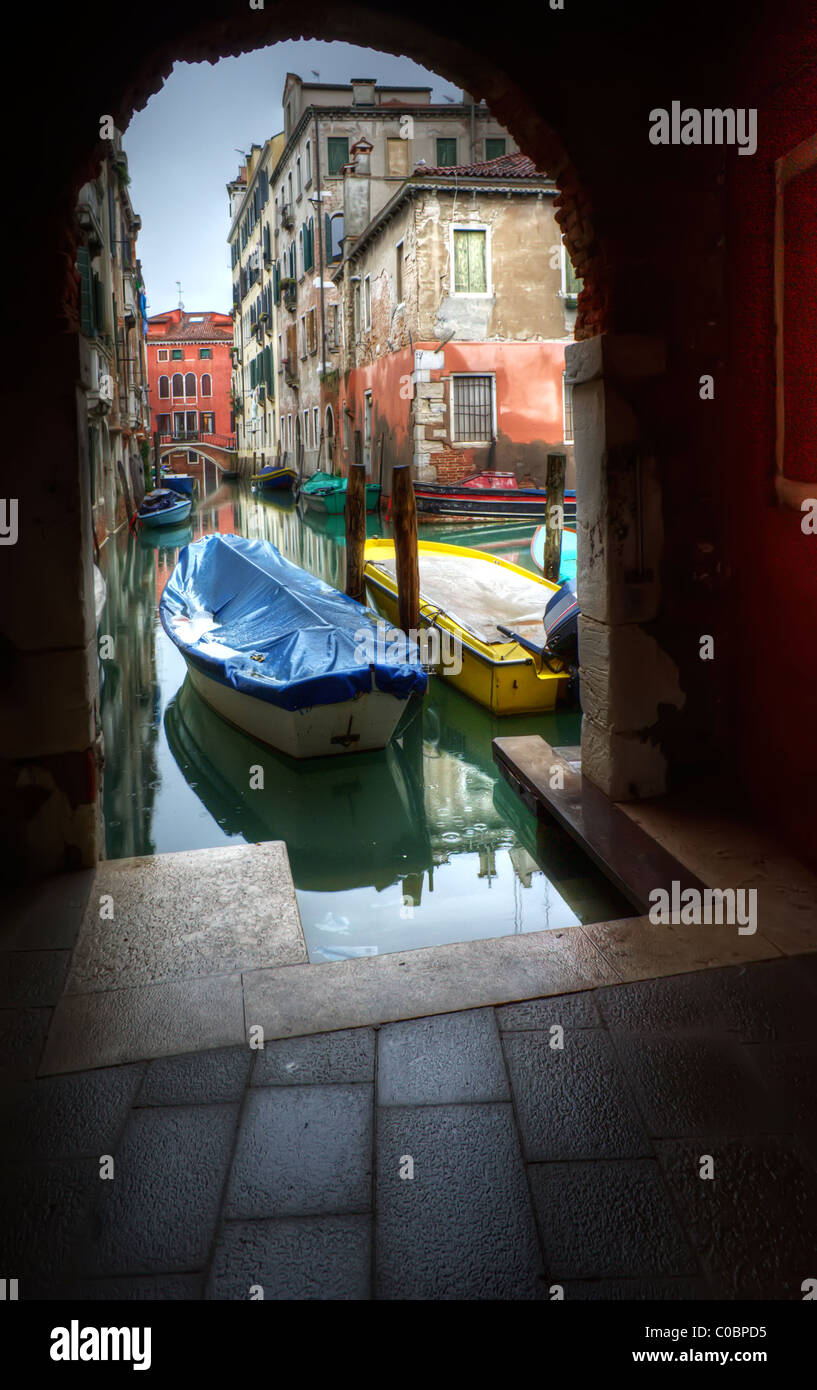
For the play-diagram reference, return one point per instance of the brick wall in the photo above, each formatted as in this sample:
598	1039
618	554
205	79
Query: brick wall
453	465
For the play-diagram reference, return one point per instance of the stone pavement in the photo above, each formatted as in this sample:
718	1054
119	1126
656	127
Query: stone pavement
460	1155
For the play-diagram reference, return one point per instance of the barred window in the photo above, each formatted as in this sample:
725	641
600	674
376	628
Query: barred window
473	409
567	399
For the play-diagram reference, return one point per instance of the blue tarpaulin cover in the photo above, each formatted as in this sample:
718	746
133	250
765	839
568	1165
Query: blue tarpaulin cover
230	600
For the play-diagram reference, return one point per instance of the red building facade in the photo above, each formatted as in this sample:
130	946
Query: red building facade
189	365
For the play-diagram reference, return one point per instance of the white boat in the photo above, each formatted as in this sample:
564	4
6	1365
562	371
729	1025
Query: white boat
282	655
163	507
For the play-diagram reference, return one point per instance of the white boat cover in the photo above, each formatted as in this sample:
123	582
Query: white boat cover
481	595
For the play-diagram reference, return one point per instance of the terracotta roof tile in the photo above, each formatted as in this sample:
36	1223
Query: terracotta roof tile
507	166
181	328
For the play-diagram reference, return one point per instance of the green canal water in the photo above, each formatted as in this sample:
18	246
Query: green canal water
419	845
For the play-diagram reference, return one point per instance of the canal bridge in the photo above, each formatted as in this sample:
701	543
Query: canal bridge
220	449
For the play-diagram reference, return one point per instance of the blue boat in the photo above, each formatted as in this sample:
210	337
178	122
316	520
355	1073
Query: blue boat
569	559
284	656
163	507
276	478
179	482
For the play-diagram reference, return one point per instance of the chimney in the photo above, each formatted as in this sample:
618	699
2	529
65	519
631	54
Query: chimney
363	91
357	189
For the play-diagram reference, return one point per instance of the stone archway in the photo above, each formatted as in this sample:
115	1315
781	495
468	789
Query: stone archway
622	239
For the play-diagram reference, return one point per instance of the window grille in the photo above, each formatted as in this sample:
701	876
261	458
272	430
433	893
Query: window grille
473	413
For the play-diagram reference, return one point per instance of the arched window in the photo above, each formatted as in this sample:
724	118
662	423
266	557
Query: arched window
190	385
164	387
329	432
207	384
178	384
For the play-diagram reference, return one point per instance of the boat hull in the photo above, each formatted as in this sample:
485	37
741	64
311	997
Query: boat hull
568	565
332	501
321	731
179	482
169	516
480	503
502	677
280	480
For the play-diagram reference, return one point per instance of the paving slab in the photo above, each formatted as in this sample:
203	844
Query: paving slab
197	1078
32	978
303	1151
201	912
22	1038
686	1085
637	950
572	1102
462	1227
607	1219
44	1208
413	984
67	1116
129	1025
449	1058
314	1257
46	915
754	1224
789	1072
776	999
635	1290
566	1010
146	1288
159	1211
348	1055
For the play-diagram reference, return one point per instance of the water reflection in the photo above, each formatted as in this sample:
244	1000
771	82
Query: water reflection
417	845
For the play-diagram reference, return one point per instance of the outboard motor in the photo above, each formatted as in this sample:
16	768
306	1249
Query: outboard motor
561	622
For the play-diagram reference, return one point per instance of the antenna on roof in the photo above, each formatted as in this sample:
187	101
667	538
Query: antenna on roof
314	73
446	97
179	288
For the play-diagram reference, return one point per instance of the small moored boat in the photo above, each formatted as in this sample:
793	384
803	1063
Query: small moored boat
567	569
274	478
179	482
282	655
488	494
494	612
326	492
163	507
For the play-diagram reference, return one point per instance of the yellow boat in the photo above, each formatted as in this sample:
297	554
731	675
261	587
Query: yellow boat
471	595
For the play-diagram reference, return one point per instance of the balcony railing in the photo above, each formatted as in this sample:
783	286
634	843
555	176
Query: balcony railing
220	441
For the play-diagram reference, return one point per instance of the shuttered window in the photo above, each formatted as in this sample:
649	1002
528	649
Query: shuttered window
88	298
337	153
494	147
446	153
470	275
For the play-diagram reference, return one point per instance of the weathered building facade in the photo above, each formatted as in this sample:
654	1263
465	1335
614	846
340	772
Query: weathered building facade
253	391
113	323
292	212
455	319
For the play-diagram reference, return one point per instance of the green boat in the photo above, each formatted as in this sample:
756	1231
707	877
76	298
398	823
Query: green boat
326	492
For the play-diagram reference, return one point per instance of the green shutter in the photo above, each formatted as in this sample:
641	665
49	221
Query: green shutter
469	262
87	296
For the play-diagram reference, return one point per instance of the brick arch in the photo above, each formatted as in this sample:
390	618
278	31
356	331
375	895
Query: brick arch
205	35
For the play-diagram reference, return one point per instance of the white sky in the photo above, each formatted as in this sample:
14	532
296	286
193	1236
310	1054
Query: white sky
184	147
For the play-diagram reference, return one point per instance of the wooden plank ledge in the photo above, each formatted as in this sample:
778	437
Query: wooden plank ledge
627	855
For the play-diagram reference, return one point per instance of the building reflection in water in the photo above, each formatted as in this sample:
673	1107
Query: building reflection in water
420	844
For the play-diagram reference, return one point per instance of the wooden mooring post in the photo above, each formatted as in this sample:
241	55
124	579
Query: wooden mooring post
555	516
404	522
356	525
157	468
